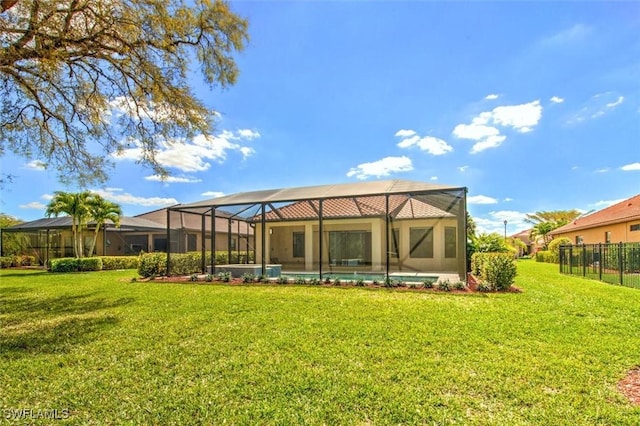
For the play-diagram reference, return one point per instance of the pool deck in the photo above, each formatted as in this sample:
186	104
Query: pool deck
417	277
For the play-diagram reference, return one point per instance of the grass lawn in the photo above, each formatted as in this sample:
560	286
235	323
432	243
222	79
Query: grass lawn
111	351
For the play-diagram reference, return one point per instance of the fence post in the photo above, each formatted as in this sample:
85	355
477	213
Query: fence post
584	260
571	260
600	261
620	262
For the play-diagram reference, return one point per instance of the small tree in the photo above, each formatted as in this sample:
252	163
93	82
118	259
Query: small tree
101	210
75	206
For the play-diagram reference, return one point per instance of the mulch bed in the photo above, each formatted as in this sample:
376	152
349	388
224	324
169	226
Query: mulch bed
472	284
630	386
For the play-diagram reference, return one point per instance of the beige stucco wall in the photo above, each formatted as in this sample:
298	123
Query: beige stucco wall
279	244
620	232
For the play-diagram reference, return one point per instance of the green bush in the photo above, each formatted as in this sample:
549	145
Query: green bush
495	270
499	270
152	264
546	256
72	264
6	262
112	263
554	248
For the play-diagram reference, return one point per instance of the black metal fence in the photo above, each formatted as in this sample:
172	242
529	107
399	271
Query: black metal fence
612	263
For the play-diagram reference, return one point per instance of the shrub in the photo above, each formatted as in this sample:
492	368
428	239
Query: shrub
6	262
300	280
248	278
72	264
444	285
360	282
152	264
499	270
428	283
546	256
208	278
112	263
314	281
89	264
554	248
225	277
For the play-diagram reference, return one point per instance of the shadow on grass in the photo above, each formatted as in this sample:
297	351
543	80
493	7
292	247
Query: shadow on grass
53	325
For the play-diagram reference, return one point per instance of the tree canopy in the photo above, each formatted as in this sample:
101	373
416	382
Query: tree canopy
81	80
546	221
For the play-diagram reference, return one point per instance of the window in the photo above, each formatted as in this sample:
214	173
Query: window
450	243
160	244
395	243
192	242
607	237
134	244
579	239
298	244
350	248
635	227
421	242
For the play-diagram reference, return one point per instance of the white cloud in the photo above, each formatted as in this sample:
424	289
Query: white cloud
521	118
474	131
481	199
433	146
595	107
118	196
212	194
433	178
405	133
491	97
570	36
630	167
383	167
556	100
463	169
614	104
193	156
36	165
495	222
429	144
602	204
172	179
508	199
490	142
602	170
36	205
47	197
248	134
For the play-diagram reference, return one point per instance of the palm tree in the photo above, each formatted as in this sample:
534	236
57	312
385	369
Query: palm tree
74	205
101	210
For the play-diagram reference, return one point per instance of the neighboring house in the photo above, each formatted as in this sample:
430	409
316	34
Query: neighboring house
50	238
525	237
614	224
379	226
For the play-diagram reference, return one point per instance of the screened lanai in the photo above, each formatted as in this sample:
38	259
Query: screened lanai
383	228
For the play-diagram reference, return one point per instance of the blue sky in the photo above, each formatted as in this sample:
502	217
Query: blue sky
532	106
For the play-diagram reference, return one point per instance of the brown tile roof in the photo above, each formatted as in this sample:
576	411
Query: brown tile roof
623	211
401	207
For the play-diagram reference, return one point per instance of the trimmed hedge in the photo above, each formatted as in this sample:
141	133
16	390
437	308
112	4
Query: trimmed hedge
155	264
110	263
72	264
547	256
497	271
17	260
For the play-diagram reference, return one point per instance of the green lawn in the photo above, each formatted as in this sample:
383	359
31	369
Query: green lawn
111	351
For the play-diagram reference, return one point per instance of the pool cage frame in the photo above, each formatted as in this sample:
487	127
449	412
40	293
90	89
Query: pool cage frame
388	201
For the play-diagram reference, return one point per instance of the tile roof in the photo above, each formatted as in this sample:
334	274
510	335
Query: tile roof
623	211
401	207
359	189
